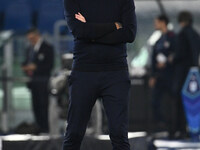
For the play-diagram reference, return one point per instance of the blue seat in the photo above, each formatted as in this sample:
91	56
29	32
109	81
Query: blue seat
5	3
36	4
48	14
18	17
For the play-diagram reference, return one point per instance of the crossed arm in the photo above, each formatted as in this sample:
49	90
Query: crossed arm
129	26
105	33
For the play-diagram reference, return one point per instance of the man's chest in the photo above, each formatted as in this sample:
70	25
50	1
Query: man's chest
162	45
39	57
101	10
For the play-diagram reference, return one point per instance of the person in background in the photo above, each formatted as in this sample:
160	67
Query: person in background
161	70
38	66
186	56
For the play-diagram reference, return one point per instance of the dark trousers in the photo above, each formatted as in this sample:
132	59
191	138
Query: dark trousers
161	87
84	89
180	75
39	91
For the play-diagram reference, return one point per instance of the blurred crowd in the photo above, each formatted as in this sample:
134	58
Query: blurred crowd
172	57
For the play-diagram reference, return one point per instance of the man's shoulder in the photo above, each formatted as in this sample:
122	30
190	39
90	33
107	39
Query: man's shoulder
171	34
46	45
188	31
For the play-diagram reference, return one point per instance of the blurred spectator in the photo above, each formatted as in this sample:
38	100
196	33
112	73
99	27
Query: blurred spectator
38	66
161	70
186	56
187	51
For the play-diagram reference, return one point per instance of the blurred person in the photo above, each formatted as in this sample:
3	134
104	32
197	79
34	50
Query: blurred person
38	65
101	30
161	70
186	56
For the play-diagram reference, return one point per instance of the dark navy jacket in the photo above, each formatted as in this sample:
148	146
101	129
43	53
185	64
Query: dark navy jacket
43	59
186	55
166	46
188	47
99	46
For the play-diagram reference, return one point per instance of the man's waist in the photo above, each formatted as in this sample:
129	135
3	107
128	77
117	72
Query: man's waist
99	67
86	44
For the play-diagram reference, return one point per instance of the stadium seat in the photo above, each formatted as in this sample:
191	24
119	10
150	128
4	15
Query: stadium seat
35	4
2	5
5	3
18	17
48	14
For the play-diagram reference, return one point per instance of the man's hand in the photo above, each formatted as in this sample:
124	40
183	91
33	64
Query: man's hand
171	59
29	67
118	25
32	67
80	17
161	65
152	82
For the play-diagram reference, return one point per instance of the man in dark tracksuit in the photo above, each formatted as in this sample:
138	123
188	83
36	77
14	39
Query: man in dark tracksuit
101	29
38	66
162	70
186	56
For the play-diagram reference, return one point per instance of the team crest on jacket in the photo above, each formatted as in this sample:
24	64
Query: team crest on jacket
166	44
41	57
